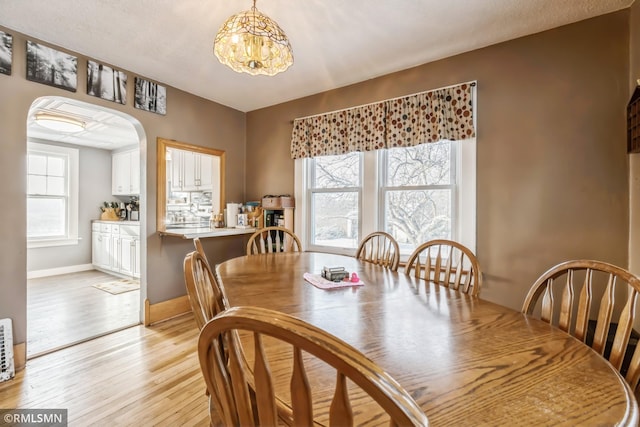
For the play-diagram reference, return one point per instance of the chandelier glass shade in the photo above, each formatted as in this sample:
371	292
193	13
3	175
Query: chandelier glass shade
251	42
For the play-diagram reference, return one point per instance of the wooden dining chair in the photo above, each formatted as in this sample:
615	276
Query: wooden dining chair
446	263
380	248
584	288
269	328
207	299
273	239
205	294
197	243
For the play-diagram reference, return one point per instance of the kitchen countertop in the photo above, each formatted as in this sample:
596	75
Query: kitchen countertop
202	232
117	222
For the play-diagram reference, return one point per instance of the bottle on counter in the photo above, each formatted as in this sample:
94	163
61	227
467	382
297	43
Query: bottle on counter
217	220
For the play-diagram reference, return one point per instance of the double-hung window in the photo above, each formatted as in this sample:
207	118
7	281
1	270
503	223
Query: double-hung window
334	198
416	194
52	195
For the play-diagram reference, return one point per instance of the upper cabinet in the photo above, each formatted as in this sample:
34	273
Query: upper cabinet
190	184
191	171
125	173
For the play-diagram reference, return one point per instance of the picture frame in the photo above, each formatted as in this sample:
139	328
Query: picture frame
6	52
150	96
106	82
51	67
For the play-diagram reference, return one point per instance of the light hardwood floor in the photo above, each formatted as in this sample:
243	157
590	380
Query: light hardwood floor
140	376
67	309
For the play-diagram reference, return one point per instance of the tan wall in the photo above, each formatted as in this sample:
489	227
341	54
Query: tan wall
634	174
189	118
552	166
552	163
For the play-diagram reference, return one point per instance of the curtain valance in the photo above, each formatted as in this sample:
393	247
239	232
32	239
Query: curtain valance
402	122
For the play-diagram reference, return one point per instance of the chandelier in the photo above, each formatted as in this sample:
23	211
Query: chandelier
250	42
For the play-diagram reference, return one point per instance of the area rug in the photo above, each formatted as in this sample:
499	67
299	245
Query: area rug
118	286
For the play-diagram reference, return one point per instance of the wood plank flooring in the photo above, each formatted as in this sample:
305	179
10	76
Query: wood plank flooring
67	309
140	376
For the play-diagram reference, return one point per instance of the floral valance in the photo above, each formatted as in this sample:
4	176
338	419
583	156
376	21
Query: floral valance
402	122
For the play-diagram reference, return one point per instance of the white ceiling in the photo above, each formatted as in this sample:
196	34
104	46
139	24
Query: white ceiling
105	129
335	42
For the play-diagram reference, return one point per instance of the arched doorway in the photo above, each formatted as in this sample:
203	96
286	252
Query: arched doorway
71	295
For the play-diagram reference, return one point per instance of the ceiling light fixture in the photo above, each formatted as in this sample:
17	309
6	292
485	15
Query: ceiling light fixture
250	42
59	123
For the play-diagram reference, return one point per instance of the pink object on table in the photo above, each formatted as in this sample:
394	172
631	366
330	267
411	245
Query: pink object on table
354	277
320	282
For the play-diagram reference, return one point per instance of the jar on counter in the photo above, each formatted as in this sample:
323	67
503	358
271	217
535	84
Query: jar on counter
217	221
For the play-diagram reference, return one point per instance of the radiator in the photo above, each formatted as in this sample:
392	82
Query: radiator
7	370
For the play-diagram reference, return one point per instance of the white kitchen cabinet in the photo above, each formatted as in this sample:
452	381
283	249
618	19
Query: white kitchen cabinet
205	171
125	173
102	246
116	248
174	168
135	172
136	259
128	255
125	255
190	171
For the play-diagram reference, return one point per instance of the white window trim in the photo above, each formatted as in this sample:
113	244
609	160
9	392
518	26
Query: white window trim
465	199
466	194
307	219
301	212
72	210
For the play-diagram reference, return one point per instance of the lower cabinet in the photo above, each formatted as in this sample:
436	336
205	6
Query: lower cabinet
116	248
101	248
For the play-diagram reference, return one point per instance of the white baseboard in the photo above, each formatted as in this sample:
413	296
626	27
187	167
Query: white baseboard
60	270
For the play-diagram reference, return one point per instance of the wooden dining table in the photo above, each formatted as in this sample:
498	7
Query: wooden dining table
466	361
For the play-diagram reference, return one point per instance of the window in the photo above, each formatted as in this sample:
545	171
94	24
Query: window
334	198
416	194
52	195
417	186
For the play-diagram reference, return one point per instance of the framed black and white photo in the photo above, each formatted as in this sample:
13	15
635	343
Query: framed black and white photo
150	96
106	82
6	52
51	67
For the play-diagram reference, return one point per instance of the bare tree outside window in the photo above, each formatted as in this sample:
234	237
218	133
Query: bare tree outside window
418	193
337	171
416	189
336	200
